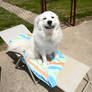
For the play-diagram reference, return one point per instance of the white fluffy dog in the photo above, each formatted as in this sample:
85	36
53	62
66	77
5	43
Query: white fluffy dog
46	36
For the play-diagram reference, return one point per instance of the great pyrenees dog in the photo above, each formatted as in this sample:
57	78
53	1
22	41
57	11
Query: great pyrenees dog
47	34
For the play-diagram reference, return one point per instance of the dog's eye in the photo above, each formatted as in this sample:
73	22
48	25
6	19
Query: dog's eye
44	18
52	17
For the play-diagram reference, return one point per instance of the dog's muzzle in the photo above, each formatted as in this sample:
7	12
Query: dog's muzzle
49	25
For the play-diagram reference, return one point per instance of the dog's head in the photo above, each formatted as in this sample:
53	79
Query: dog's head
47	21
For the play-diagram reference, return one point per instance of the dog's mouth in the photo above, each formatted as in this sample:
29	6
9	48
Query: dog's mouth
49	27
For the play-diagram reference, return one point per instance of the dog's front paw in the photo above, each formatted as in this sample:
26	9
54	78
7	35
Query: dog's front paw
39	61
45	64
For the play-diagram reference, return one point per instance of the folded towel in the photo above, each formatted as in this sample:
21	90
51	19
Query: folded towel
47	74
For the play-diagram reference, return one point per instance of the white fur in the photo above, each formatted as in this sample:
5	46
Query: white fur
44	41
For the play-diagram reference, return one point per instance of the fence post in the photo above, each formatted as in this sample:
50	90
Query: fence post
71	9
74	14
43	6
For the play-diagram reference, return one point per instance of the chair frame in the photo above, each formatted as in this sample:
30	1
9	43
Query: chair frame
20	58
17	65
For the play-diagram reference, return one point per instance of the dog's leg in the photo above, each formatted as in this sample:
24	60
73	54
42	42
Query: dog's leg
44	61
44	58
56	55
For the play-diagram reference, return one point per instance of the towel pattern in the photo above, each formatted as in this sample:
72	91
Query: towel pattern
47	74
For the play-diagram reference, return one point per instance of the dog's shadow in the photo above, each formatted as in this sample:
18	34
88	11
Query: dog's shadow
23	67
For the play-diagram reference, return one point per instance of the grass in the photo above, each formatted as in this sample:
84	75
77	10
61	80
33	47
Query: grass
8	20
61	7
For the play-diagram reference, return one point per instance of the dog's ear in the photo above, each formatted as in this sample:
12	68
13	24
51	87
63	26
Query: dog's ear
36	23
58	24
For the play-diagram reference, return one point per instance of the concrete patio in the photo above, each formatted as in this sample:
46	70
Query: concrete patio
77	43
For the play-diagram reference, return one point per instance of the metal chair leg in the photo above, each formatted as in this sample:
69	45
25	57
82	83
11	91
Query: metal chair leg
19	60
87	84
32	75
17	65
87	76
85	87
0	73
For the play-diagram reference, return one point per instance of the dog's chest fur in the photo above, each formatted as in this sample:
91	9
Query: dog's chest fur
48	42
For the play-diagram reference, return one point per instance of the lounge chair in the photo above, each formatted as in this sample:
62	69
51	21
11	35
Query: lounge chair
69	77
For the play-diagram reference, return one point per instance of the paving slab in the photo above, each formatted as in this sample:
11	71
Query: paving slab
77	43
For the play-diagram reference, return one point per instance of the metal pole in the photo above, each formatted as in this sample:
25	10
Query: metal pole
74	14
71	8
43	6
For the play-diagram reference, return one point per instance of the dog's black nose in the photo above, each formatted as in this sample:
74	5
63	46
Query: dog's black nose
49	22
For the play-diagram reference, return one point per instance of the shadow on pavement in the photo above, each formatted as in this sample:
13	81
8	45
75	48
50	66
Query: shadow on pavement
24	68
